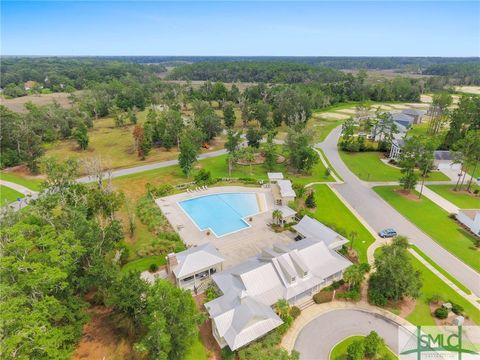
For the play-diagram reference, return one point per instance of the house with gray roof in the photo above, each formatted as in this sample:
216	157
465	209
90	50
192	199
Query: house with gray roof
192	267
292	272
313	229
415	114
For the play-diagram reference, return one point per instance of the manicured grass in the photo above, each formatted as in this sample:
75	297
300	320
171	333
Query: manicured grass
330	165
441	270
368	166
339	352
144	263
433	285
434	221
462	199
332	212
196	351
8	195
32	184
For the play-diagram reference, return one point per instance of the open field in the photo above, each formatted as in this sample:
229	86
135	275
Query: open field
33	183
434	221
462	198
468	89
8	195
368	166
339	352
18	104
115	146
332	212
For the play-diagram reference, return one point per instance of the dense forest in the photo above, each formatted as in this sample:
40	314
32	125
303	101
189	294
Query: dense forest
65	74
466	74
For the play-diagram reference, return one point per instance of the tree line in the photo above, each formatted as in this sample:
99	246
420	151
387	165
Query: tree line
65	74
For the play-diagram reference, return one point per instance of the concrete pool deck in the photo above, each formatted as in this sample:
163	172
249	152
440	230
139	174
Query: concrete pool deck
235	247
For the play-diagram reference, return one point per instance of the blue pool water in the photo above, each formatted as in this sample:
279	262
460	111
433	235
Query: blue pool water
222	213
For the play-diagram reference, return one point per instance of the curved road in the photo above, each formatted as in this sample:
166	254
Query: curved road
319	336
379	215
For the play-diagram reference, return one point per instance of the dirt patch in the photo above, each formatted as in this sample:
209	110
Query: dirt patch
100	340
406	307
213	350
22	170
18	104
408	195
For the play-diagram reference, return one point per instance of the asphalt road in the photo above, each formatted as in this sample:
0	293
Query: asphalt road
318	337
379	215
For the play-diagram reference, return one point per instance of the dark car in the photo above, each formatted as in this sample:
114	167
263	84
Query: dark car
387	233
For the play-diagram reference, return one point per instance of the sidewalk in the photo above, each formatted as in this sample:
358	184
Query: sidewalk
21	189
439	200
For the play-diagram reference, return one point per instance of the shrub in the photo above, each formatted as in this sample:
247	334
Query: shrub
441	313
356	350
295	312
456	308
227	354
372	343
365	267
376	298
153	268
211	293
203	177
353	294
310	200
322	297
434	299
150	215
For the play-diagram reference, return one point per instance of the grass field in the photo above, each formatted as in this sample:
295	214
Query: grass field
115	146
196	351
462	199
32	184
434	221
441	270
330	165
144	263
433	285
332	212
368	166
339	352
8	195
322	126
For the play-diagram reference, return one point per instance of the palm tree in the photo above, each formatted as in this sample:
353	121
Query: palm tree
353	276
277	215
283	307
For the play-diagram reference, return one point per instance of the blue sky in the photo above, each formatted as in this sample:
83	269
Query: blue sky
241	28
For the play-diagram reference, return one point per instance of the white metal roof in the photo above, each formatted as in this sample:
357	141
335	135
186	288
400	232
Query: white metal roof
312	228
273	176
286	211
243	312
196	259
286	189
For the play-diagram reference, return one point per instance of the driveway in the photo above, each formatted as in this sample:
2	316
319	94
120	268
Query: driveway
317	338
379	215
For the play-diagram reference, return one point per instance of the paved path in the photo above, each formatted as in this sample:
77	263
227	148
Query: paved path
344	319
379	215
21	189
439	200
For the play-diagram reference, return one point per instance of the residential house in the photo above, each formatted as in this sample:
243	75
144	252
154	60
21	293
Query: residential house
292	272
471	219
313	229
192	267
415	114
396	149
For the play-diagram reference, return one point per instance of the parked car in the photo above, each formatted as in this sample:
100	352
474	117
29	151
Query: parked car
387	233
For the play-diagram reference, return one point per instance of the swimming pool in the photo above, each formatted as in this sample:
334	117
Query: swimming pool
221	213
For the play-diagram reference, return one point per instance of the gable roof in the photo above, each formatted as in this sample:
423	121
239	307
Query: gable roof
402	119
286	189
311	228
286	211
196	259
243	312
414	112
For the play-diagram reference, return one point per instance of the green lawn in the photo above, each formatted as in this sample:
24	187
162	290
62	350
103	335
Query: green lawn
332	212
8	195
330	165
322	126
368	166
462	199
433	285
144	263
196	351
434	221
441	270
32	184
339	352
